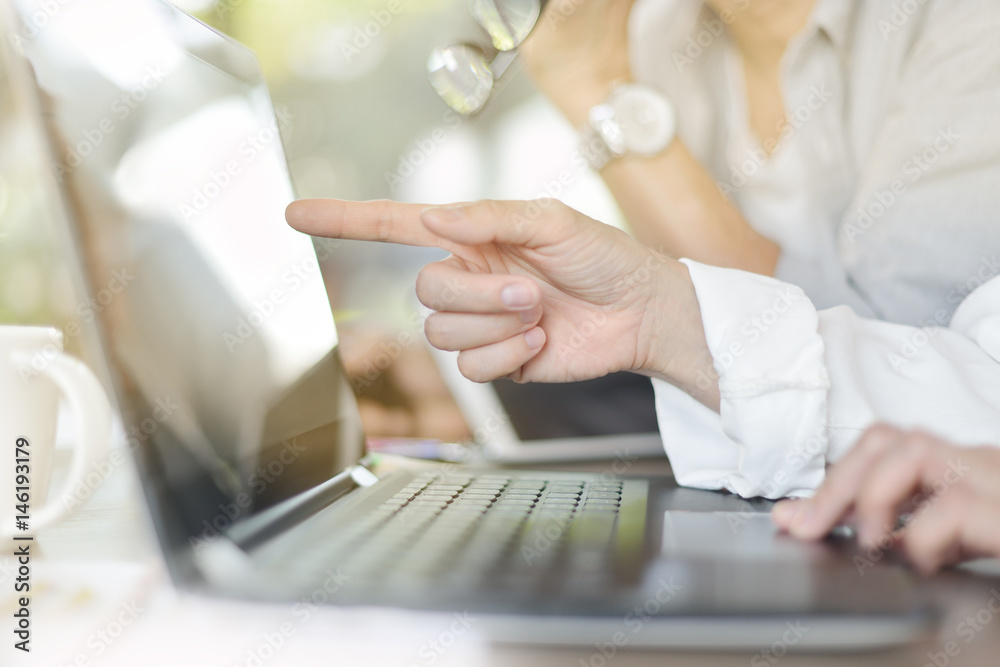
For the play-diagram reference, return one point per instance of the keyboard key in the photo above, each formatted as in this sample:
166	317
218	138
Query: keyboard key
479	496
469	502
608	495
460	481
558	502
437	495
513	504
467	509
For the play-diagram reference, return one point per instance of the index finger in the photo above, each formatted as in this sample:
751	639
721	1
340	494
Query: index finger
384	221
817	515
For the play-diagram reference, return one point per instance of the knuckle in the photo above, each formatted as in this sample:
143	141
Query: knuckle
923	442
494	208
879	437
384	223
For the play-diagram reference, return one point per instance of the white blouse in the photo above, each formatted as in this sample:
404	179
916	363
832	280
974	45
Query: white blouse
884	194
883	190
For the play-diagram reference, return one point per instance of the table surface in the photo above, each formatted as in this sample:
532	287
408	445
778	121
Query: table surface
101	597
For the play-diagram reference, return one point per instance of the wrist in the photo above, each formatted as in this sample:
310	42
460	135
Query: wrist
672	345
576	103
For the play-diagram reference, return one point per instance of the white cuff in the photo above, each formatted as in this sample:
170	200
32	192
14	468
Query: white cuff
770	438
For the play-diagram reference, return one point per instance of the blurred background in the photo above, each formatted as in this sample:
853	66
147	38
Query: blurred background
359	121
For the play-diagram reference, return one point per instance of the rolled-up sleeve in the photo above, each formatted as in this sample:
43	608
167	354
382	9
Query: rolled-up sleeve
798	386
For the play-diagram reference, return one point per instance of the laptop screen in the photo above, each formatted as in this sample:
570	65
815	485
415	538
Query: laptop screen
214	314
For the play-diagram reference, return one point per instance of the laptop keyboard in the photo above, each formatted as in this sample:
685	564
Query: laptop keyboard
488	530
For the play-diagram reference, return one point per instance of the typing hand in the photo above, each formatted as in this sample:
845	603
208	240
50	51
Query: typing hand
946	497
535	291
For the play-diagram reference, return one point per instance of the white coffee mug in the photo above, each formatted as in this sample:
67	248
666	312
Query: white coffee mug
34	371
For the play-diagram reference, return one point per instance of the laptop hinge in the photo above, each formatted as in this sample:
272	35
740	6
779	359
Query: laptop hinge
363	476
257	529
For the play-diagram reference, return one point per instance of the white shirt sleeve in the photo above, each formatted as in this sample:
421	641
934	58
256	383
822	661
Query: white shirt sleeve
799	386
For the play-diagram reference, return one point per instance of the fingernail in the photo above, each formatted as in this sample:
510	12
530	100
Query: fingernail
443	214
534	338
517	296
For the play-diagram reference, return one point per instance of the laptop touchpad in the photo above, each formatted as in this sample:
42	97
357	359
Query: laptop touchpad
730	535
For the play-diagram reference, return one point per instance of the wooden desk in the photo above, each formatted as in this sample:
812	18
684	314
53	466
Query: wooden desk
101	597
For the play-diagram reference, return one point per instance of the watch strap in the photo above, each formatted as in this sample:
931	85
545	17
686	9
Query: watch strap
594	148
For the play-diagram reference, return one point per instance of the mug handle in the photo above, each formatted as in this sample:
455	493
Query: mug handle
89	404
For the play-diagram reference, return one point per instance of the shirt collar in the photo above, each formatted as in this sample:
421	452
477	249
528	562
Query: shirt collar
833	17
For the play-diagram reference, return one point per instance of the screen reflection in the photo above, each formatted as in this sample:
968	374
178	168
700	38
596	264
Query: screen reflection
214	313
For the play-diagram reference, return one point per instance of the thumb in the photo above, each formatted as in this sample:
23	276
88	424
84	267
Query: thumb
530	224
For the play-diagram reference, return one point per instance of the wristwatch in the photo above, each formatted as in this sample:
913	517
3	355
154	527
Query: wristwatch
635	119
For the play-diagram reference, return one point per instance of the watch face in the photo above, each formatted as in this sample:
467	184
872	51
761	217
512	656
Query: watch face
646	119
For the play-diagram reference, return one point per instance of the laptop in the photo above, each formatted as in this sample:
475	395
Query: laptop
218	339
608	417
